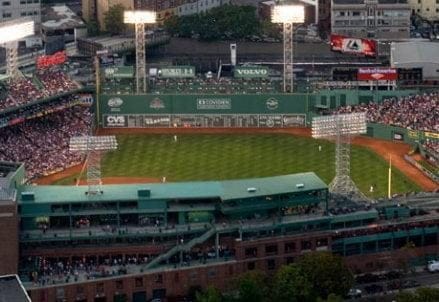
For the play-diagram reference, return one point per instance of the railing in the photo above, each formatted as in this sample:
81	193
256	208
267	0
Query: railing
429	174
181	248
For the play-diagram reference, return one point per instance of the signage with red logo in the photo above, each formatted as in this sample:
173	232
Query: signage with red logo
377	74
353	45
46	61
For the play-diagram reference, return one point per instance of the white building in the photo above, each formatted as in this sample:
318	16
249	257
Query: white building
427	9
13	9
198	6
422	55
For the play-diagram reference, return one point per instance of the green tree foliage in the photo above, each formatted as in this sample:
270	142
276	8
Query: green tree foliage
290	285
224	22
318	276
93	28
327	273
422	294
113	19
211	294
252	286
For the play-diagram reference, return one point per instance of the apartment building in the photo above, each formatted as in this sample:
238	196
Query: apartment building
379	19
96	9
13	9
427	9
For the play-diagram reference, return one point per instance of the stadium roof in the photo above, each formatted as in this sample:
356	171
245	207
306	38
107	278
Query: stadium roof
414	52
225	190
11	289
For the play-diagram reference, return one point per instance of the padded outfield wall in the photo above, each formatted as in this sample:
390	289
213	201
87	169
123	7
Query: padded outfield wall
241	110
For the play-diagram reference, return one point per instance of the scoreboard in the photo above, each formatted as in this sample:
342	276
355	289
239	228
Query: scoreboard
204	120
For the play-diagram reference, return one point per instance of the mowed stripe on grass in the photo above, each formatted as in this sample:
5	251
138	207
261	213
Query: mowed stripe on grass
231	156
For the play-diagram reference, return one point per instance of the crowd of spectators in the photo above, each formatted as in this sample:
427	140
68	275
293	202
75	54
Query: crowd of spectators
43	271
433	147
56	82
416	112
22	91
43	143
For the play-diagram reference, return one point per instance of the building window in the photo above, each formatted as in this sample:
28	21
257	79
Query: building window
306	245
100	288
158	278
230	270
139	282
22	2
7	15
271	249
290	247
251	266
6	3
119	284
290	260
251	252
271	264
211	274
176	277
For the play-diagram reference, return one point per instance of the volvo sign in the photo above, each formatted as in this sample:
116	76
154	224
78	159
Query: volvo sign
251	72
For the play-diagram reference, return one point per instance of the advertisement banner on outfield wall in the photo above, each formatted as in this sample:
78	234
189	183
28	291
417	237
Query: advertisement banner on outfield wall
250	72
122	72
115	121
177	72
377	74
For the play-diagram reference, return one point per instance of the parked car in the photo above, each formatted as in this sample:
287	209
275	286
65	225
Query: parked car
354	293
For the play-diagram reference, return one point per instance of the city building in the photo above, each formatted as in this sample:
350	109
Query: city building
416	55
427	9
96	9
379	19
141	241
13	9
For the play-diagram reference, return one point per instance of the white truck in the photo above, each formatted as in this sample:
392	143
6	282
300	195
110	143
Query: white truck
433	266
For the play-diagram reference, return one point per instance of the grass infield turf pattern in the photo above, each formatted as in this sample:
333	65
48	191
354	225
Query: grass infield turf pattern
232	156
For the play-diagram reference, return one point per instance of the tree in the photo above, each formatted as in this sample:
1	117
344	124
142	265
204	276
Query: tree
211	294
252	286
93	28
291	285
327	273
113	19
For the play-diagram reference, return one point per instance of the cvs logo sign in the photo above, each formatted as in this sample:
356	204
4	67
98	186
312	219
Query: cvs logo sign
115	121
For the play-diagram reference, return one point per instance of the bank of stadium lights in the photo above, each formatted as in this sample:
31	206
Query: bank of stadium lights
139	19
10	33
287	15
341	127
93	147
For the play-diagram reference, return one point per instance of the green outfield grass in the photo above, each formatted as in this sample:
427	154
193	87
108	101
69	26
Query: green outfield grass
229	156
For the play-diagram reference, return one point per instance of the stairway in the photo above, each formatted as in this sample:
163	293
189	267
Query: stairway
181	248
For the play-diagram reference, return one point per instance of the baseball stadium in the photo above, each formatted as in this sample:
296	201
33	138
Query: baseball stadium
121	189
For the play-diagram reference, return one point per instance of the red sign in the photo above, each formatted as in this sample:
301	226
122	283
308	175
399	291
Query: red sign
344	44
377	74
46	61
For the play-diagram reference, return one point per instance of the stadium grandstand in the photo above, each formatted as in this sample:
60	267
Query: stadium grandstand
140	241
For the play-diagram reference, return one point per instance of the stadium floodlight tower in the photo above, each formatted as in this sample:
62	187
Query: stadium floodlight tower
93	147
341	127
287	15
10	33
139	18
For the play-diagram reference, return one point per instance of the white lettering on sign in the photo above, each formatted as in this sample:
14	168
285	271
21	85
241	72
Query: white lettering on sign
252	71
115	121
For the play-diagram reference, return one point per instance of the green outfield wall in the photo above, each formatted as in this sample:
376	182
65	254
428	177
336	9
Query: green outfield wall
239	110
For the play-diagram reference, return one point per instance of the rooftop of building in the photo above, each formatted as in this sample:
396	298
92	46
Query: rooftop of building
11	289
225	190
361	2
414	52
60	17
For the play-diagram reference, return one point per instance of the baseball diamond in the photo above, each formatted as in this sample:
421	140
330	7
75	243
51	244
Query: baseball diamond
233	156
